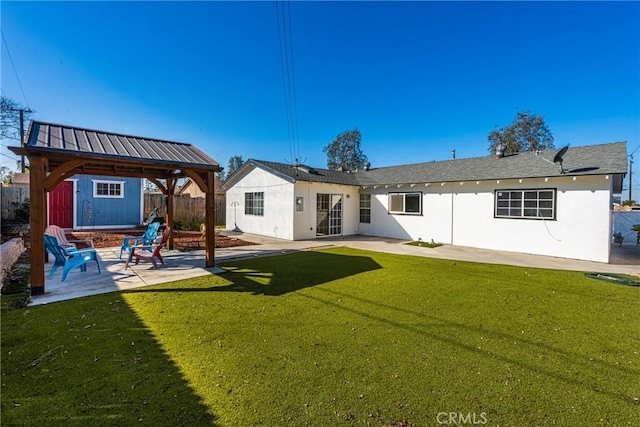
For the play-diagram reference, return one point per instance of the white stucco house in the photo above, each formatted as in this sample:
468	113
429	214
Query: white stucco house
521	203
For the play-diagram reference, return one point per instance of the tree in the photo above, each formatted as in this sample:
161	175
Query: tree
10	121
235	163
345	152
149	186
528	132
6	175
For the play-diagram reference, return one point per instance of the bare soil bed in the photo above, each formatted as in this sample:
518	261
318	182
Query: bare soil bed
182	240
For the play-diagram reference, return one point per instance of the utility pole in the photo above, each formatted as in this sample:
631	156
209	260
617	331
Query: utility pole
630	177
22	111
21	116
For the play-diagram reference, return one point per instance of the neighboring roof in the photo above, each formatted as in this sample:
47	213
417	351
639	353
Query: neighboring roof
20	179
54	139
599	159
185	188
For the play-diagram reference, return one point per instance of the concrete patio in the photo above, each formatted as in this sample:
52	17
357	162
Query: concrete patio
184	265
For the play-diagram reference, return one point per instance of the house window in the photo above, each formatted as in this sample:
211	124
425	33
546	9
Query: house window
528	204
108	189
254	203
365	208
299	204
405	203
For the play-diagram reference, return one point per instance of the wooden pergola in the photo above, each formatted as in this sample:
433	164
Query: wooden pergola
57	152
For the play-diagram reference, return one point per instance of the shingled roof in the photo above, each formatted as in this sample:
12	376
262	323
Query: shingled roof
586	160
293	173
599	159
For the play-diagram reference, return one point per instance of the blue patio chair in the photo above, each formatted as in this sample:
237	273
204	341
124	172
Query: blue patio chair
68	258
146	239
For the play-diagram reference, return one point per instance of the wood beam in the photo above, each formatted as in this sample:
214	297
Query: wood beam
210	221
160	185
37	222
197	178
60	173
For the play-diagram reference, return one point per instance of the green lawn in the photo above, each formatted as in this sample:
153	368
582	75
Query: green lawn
332	337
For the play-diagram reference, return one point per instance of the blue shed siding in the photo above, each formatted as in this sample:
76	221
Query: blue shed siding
108	212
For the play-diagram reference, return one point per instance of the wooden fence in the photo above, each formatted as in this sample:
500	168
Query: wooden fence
12	200
186	208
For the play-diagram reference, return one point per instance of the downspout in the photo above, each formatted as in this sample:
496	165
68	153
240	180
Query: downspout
451	214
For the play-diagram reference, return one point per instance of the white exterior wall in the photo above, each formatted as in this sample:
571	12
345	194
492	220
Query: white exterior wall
453	213
464	215
277	220
434	223
305	221
281	220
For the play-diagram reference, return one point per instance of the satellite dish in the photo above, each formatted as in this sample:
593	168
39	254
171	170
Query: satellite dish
559	154
558	157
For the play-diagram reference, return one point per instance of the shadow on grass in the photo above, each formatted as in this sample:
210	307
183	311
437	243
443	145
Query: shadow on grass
91	361
265	279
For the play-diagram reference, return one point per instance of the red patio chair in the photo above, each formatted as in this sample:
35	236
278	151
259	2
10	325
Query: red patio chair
149	252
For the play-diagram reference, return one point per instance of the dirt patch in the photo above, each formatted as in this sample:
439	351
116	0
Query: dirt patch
182	240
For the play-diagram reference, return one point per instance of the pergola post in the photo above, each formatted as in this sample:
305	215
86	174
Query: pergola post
171	185
210	221
38	220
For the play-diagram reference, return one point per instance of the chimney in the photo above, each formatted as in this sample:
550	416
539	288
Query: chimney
453	154
500	150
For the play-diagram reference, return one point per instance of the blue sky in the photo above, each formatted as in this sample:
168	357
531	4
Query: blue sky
417	78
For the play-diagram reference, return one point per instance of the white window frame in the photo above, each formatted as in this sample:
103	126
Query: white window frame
96	182
250	206
365	208
525	203
404	203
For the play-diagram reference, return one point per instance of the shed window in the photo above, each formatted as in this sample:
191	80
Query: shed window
527	204
405	203
108	189
254	203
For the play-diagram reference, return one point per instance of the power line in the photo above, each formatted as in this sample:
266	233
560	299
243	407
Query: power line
9	157
293	79
284	84
285	39
14	68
